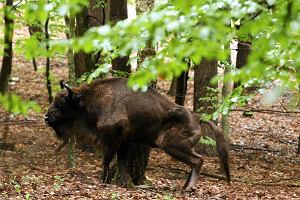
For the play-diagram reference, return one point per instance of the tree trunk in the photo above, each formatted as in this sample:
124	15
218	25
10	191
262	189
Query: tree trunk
8	50
117	12
206	70
226	91
172	89
181	87
70	22
94	15
243	51
298	151
48	81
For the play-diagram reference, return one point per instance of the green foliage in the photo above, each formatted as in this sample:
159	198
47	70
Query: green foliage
193	29
212	99
168	197
208	141
14	104
201	29
115	196
27	195
58	182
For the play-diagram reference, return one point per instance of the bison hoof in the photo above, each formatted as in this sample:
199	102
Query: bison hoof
106	179
189	189
123	184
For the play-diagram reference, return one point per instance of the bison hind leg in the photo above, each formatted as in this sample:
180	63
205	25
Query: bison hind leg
138	161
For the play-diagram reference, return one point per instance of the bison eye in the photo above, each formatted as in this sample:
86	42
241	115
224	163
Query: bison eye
61	103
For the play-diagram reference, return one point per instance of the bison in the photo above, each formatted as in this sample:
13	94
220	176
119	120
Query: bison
113	117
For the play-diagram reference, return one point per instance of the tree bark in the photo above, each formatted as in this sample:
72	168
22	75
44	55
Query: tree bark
226	91
70	22
243	51
117	12
94	15
47	74
172	89
8	49
83	62
206	70
181	87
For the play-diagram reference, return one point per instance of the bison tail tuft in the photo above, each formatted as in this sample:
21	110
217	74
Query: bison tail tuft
209	129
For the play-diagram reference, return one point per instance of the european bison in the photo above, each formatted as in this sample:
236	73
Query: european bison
113	117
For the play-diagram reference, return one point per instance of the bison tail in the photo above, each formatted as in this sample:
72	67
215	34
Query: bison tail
209	129
223	151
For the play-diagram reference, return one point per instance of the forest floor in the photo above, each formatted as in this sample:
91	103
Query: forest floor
264	164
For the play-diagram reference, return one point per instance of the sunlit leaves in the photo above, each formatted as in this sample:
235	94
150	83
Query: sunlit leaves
193	29
14	104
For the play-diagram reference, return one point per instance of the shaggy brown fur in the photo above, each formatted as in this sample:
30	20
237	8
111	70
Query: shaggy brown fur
112	117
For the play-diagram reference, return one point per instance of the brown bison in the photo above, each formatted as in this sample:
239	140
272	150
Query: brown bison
113	117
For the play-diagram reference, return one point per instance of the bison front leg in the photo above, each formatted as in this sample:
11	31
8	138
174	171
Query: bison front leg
122	160
107	158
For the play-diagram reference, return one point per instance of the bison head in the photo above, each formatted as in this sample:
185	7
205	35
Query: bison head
63	111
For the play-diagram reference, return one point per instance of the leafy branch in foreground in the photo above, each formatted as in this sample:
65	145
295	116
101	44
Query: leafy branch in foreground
14	104
201	29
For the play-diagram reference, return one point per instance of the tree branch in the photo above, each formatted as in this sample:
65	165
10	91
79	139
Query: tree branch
266	111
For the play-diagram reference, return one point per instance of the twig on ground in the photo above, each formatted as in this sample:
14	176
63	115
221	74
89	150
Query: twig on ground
4	123
256	130
266	111
243	147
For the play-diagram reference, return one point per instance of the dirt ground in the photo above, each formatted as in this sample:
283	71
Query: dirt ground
30	169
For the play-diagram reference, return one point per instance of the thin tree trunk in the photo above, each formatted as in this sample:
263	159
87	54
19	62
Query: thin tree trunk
71	159
181	87
206	70
298	151
70	22
172	89
48	80
226	91
8	49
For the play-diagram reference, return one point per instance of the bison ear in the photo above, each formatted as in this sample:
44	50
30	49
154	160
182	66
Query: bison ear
64	85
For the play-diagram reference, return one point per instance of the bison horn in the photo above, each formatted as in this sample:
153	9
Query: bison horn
64	85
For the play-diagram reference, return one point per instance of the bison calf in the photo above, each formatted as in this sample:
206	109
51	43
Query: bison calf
113	117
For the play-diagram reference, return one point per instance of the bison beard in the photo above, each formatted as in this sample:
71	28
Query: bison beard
115	118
